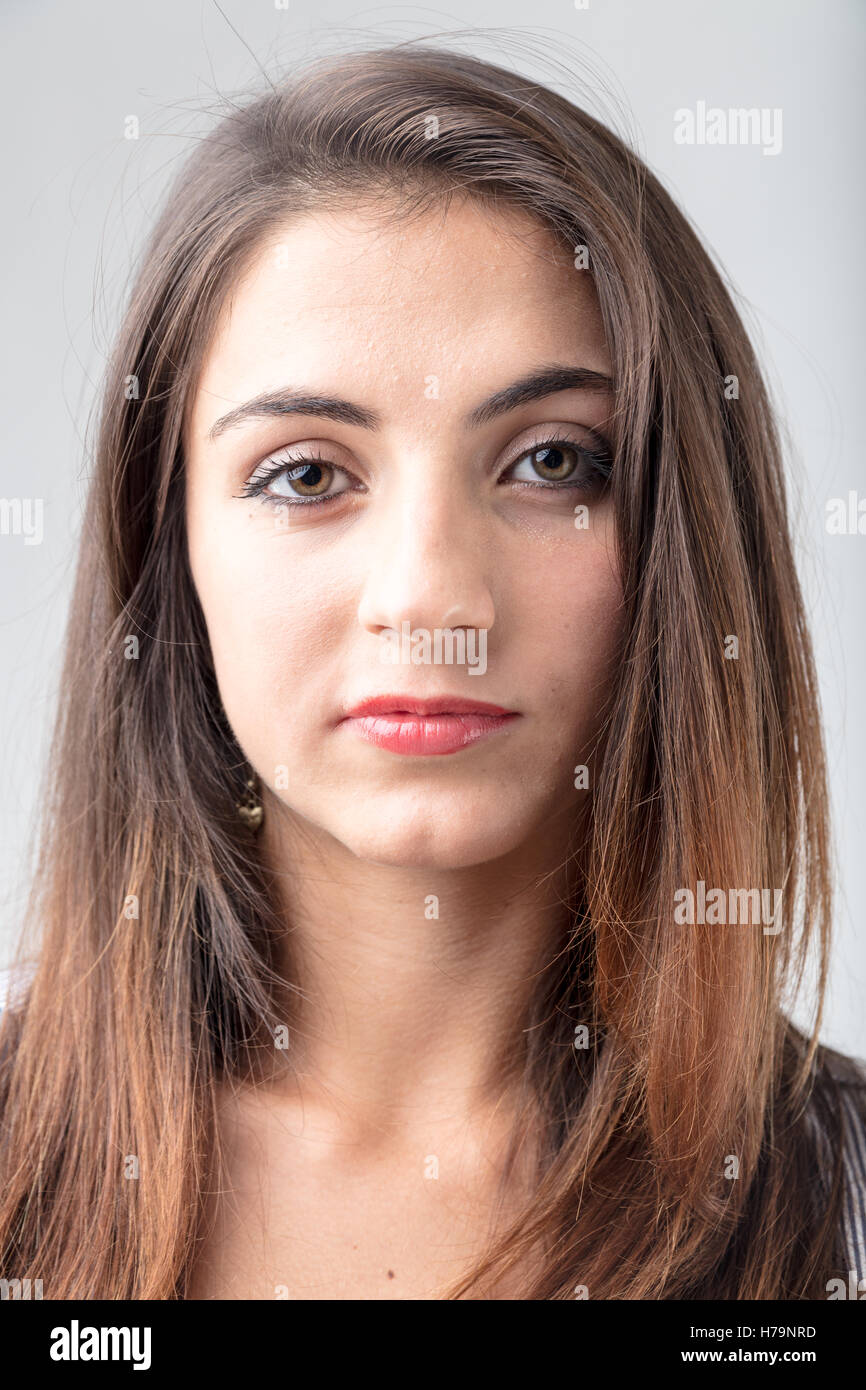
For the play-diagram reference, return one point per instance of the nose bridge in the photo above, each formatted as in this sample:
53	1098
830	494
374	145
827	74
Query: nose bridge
427	561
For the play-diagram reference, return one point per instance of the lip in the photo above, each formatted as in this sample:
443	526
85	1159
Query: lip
426	727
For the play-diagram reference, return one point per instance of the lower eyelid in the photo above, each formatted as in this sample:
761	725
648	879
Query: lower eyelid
551	483
276	501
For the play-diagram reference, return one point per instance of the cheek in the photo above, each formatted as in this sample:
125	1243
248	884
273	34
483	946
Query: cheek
571	604
271	611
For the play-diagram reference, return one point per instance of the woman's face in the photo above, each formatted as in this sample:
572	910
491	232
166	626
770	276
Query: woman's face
428	504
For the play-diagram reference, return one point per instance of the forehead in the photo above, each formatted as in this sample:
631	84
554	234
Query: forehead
467	295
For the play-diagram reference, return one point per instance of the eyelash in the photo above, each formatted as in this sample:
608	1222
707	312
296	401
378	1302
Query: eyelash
599	459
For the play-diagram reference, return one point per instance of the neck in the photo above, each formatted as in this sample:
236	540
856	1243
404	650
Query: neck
415	983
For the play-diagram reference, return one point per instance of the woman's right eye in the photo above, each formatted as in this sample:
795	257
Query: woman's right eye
297	481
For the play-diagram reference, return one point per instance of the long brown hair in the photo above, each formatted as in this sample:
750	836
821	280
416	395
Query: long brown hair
156	969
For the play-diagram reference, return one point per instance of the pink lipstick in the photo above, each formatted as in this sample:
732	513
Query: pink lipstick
421	728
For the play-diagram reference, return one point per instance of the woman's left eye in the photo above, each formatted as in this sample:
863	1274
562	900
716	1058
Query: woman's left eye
559	462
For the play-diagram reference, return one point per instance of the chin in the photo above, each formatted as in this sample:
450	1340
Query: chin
433	836
435	853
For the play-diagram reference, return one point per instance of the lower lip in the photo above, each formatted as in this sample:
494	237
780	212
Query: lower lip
418	735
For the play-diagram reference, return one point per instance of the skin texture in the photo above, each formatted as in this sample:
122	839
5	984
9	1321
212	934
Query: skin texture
399	1042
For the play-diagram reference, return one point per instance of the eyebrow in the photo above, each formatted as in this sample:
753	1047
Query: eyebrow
534	386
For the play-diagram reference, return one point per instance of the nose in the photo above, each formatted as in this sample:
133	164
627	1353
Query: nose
427	564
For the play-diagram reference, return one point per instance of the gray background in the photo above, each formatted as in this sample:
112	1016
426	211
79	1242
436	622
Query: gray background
787	229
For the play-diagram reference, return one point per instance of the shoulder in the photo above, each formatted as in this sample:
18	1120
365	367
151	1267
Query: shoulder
853	1093
848	1079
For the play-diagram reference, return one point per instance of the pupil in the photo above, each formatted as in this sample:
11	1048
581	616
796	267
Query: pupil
311	477
551	459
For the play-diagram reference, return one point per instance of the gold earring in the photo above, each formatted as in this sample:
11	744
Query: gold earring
250	808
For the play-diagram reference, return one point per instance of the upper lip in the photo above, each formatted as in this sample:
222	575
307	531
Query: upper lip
410	704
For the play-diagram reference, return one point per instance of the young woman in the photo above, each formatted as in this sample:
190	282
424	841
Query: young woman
437	815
